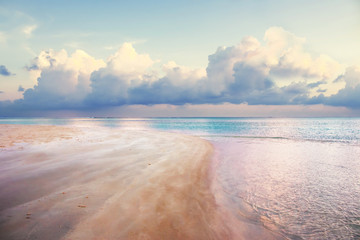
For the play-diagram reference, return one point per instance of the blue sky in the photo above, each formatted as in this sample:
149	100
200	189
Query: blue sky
278	58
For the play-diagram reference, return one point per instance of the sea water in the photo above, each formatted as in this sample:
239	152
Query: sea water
298	176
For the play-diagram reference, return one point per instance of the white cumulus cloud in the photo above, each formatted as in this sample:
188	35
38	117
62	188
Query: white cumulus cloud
278	71
62	78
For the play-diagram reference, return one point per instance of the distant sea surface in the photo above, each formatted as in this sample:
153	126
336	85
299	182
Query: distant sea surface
297	176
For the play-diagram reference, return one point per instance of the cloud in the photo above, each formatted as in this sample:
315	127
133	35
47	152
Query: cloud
63	81
124	70
316	84
3	38
21	89
285	55
4	71
180	85
321	90
28	30
350	95
282	57
339	78
277	72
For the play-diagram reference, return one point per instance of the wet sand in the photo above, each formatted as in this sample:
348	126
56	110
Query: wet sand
100	183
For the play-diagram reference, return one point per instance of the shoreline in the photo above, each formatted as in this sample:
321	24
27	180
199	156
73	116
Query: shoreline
83	183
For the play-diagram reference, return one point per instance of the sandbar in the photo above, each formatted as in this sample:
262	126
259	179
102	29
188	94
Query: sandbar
99	183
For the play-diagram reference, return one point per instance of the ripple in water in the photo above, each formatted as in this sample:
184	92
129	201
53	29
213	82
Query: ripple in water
309	190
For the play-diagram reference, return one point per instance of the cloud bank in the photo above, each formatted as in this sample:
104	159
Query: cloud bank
278	71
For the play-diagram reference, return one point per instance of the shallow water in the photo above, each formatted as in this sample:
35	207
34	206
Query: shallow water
300	177
307	189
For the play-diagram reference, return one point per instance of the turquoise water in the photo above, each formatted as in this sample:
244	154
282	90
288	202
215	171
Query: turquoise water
345	130
299	176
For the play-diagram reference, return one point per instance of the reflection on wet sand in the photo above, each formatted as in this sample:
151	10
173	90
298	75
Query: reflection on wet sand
94	183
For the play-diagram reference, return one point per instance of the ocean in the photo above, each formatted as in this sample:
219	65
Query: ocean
299	177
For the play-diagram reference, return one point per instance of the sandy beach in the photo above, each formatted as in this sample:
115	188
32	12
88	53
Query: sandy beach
100	183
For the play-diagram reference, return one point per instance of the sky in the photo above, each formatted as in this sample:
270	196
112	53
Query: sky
234	58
